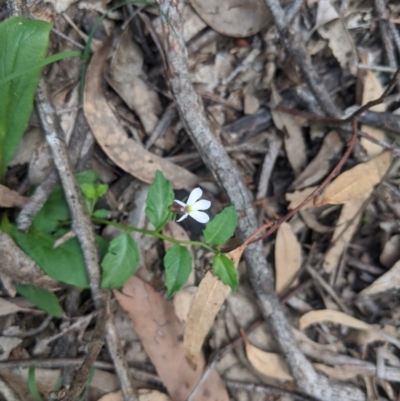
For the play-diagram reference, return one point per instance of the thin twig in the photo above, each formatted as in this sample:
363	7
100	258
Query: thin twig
83	229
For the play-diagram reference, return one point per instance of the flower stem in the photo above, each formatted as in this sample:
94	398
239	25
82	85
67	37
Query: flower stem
153	233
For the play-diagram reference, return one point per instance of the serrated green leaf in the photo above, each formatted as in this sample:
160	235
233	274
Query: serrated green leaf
159	198
221	227
64	263
224	268
43	299
101	213
178	266
120	261
23	42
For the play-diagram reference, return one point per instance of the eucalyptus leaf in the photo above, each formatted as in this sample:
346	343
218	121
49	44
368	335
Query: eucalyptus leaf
178	266
159	198
23	42
224	268
221	227
43	299
120	261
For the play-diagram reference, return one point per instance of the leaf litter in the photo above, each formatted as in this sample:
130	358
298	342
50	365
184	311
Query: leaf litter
352	245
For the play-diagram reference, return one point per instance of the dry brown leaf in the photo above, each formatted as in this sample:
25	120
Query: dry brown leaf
341	44
358	181
7	344
322	163
269	364
10	198
232	18
207	301
8	308
340	373
124	151
295	198
332	316
389	281
124	77
287	257
391	252
294	140
344	231
192	23
161	335
372	90
144	395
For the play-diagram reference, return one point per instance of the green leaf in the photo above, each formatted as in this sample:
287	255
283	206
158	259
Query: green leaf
178	266
159	198
43	299
101	190
32	384
221	227
224	268
23	42
56	207
40	64
101	213
88	190
120	262
64	263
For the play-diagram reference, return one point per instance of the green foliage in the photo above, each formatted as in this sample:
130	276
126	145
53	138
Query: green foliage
178	265
64	263
224	268
221	227
101	213
32	384
43	299
23	43
159	198
120	262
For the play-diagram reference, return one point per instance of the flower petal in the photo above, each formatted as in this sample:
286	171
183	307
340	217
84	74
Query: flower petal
194	196
201	204
201	217
183	217
180	203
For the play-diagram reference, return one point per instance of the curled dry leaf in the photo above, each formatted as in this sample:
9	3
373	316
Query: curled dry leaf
270	364
358	181
332	316
332	28
10	198
9	308
233	18
161	335
294	140
390	281
345	228
287	257
207	301
124	151
322	163
124	77
144	395
295	198
372	90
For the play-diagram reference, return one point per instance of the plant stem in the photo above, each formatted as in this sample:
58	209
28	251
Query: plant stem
154	234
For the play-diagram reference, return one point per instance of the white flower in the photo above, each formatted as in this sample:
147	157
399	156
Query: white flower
193	205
